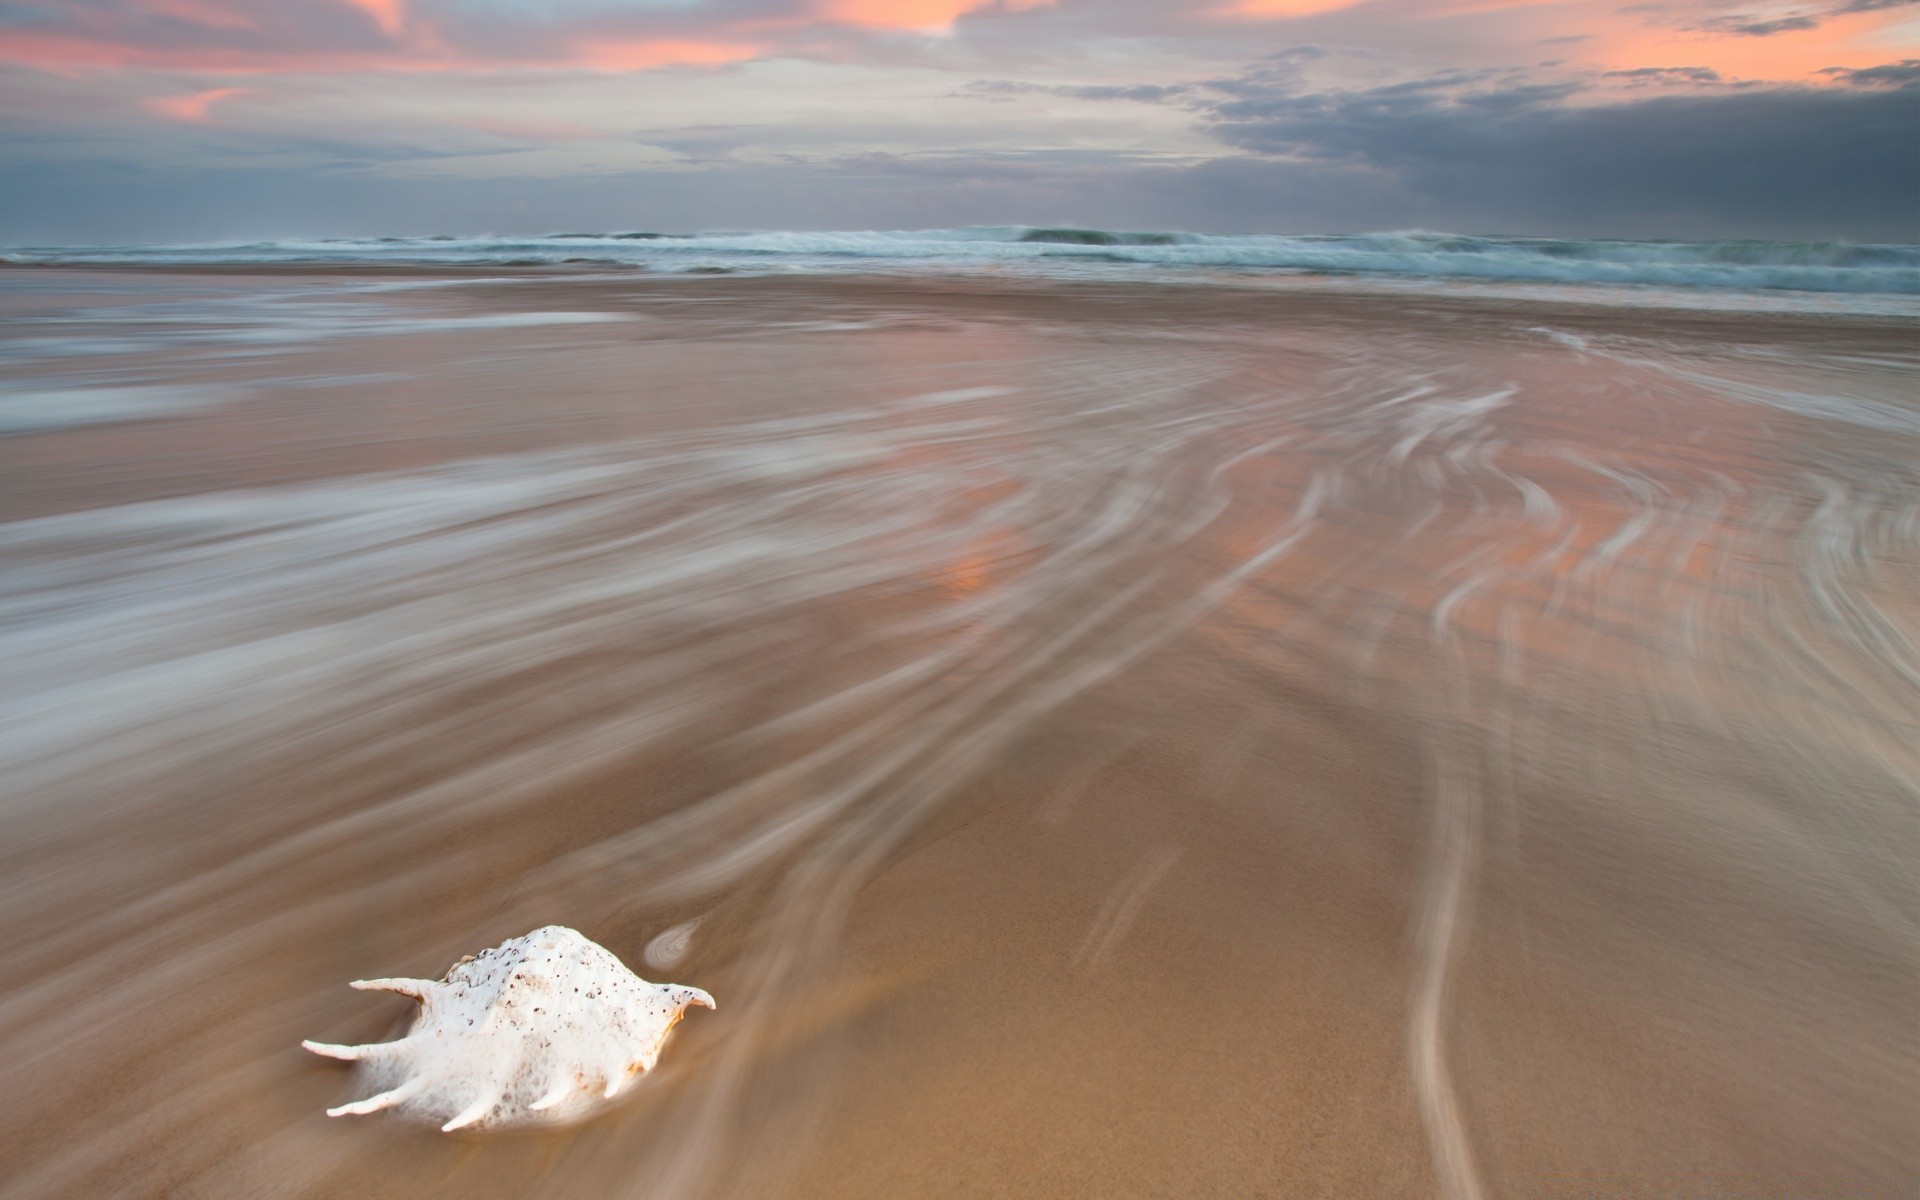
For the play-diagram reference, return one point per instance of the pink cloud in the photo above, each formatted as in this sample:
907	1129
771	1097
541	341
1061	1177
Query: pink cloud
915	14
1288	8
390	15
67	54
413	46
200	12
647	53
194	105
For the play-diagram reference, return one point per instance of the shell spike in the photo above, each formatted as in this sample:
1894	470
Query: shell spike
472	1112
616	1079
359	1053
419	989
555	1095
344	1053
688	996
373	1104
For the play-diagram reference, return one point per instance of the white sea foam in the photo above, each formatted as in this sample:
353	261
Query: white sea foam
1834	267
40	410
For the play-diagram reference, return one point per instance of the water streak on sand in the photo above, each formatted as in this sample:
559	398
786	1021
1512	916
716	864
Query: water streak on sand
1554	676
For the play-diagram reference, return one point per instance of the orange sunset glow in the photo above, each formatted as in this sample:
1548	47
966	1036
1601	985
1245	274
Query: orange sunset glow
1849	40
225	36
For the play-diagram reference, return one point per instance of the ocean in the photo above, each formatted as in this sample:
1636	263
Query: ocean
1725	266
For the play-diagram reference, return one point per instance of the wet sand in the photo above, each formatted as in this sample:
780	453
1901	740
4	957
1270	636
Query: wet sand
1092	739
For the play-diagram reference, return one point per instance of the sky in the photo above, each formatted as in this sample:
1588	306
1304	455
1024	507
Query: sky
125	121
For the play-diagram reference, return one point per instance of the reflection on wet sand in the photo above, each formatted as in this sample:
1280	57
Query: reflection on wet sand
1094	739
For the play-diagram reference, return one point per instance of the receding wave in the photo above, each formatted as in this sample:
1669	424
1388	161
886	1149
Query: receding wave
1839	267
1101	237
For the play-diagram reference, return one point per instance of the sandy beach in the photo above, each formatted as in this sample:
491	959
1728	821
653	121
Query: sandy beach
1092	738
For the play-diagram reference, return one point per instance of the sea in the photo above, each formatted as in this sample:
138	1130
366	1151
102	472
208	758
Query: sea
1722	273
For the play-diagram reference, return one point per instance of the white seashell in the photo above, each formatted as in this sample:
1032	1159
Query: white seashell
541	1030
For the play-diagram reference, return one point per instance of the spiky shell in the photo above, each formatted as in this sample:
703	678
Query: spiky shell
544	1029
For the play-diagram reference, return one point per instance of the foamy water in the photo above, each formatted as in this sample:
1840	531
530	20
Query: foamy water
349	627
1671	272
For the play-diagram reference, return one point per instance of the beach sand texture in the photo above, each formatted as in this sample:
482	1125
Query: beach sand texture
1092	739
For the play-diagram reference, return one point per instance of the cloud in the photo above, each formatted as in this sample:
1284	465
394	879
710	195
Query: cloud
931	15
1145	93
194	106
1903	74
201	12
1838	161
1800	163
1748	27
495	36
698	143
389	15
1665	75
1127	113
644	54
333	36
532	131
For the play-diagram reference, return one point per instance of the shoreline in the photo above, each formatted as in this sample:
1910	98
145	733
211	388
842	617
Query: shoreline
1893	307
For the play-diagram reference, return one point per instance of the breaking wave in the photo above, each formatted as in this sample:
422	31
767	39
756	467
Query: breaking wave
1745	265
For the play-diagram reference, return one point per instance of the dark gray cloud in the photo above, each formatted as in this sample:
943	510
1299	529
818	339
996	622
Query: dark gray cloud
1903	74
698	143
1666	75
1749	27
1149	93
1475	149
47	203
1822	162
1146	93
1783	163
1750	24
